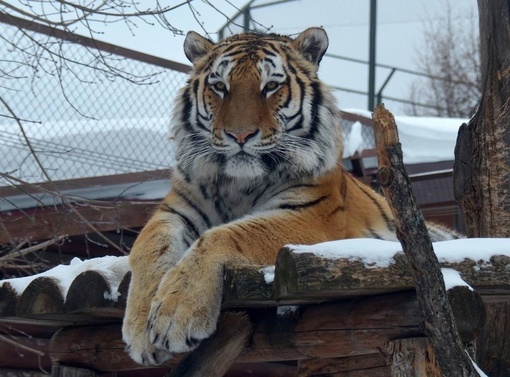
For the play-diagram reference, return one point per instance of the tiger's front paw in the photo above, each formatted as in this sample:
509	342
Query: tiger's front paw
138	344
185	309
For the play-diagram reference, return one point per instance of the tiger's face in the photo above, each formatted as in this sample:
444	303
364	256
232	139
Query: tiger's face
254	105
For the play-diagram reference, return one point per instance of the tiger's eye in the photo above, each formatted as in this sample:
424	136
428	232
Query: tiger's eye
271	85
220	86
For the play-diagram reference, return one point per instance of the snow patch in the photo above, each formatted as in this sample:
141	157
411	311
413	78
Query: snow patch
380	253
112	268
371	252
453	279
286	309
268	274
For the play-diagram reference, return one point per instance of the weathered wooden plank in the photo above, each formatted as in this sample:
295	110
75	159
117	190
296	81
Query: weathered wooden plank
373	364
412	357
262	369
49	222
246	285
215	356
5	372
67	371
300	277
493	351
305	277
96	347
25	352
351	327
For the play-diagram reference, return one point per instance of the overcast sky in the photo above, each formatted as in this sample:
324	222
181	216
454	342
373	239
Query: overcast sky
400	29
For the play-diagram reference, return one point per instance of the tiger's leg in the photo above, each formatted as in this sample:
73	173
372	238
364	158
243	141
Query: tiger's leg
187	304
159	246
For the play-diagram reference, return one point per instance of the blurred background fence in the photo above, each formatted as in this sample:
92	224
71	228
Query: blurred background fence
96	109
93	110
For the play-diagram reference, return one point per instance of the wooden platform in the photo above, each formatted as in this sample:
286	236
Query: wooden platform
319	315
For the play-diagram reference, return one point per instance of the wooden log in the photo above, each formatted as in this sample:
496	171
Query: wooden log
412	357
306	277
413	235
370	365
8	300
216	355
246	285
493	352
352	327
123	291
41	296
88	292
469	311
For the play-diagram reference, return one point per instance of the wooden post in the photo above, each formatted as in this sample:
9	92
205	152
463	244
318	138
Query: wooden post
412	357
413	235
482	168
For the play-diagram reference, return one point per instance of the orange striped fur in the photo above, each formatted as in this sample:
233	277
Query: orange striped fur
259	151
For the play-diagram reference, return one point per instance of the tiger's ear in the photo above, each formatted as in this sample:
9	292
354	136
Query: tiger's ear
196	46
312	43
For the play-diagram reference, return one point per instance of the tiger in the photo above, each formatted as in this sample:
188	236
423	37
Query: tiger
258	149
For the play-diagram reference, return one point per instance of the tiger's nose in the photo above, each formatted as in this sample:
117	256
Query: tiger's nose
241	137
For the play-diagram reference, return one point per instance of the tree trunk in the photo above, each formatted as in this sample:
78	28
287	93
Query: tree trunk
482	168
482	154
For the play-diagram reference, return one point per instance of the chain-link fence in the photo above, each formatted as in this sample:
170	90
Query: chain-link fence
82	112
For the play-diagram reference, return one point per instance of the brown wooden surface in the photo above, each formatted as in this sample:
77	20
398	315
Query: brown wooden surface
19	351
493	350
468	309
245	286
412	357
48	222
216	355
482	168
482	157
353	327
369	365
41	296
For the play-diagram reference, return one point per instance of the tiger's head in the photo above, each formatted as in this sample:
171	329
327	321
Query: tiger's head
254	106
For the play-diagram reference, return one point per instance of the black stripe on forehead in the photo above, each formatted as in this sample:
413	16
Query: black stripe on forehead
248	48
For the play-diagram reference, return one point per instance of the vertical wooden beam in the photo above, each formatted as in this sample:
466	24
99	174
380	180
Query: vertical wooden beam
412	357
